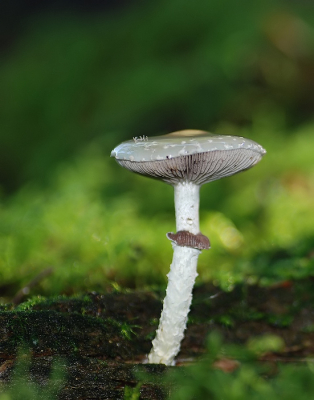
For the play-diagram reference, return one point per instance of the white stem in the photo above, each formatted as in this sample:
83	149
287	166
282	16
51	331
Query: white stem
181	279
176	307
187	200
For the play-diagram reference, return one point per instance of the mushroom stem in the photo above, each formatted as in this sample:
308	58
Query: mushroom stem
170	332
186	201
181	278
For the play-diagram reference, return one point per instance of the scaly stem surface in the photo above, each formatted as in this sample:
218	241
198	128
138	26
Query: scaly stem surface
181	278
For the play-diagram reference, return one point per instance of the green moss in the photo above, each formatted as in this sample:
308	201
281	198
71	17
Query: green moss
23	386
132	393
246	379
59	333
225	320
282	321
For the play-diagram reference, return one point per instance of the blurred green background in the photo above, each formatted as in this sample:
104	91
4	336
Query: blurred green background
76	81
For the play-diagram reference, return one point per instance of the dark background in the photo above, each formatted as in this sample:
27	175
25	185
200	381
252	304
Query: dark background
77	78
72	71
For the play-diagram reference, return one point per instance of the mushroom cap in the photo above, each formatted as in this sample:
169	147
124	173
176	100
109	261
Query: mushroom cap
188	156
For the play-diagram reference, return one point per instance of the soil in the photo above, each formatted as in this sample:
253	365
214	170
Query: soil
103	339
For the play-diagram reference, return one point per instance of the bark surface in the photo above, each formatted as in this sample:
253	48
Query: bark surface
102	339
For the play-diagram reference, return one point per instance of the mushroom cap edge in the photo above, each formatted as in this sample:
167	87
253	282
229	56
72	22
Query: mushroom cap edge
180	143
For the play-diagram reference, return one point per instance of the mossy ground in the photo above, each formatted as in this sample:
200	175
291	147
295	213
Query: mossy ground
104	338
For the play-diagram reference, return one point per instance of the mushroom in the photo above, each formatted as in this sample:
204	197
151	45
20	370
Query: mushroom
186	160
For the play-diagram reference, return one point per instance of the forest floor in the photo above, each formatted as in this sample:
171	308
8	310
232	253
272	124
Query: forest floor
103	339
